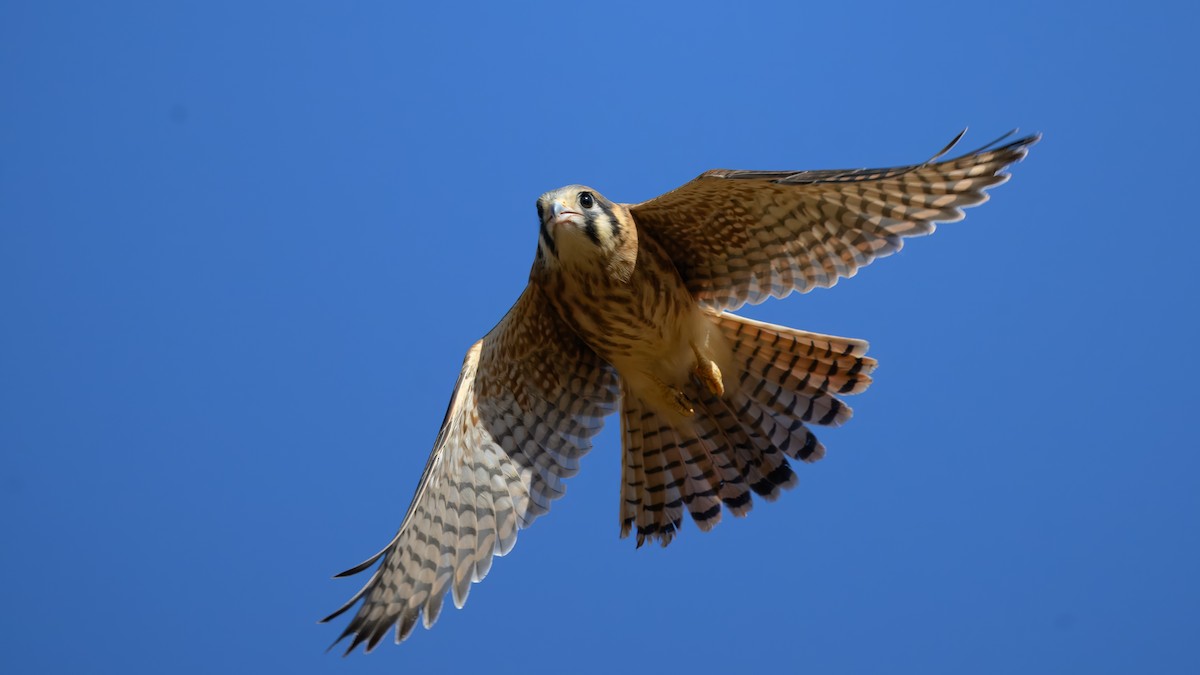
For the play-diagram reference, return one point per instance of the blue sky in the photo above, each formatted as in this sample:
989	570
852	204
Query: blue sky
243	250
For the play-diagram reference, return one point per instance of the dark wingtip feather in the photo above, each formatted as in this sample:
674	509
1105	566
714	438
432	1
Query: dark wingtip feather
359	638
338	612
991	144
1018	145
349	603
1022	144
341	637
949	146
359	567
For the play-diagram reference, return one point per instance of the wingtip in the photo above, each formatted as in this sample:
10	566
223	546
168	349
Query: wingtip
338	640
360	636
949	146
358	568
341	610
995	144
1022	142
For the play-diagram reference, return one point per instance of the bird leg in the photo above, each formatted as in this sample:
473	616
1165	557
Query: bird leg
708	372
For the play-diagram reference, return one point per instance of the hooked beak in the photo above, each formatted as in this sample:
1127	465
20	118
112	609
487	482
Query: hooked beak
561	214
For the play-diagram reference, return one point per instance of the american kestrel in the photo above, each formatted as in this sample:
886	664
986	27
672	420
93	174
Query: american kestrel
627	307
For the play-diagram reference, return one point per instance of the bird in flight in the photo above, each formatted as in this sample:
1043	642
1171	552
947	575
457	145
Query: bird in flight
628	307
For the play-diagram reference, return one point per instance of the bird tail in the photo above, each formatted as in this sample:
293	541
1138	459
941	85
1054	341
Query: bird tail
739	442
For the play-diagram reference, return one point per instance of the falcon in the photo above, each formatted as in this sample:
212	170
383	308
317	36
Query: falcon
627	308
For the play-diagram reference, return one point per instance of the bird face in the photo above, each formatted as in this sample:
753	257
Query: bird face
579	224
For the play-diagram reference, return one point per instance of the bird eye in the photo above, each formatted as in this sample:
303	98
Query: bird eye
586	200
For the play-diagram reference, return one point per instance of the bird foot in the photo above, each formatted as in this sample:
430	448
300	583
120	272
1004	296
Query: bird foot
681	402
676	399
709	373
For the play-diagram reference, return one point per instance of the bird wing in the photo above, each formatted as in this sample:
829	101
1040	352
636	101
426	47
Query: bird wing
744	236
529	398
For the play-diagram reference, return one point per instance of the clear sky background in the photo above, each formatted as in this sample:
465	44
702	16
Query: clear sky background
244	247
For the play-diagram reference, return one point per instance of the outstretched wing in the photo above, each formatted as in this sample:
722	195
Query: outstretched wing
744	236
530	397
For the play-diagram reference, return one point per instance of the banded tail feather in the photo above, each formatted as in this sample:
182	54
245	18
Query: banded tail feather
737	444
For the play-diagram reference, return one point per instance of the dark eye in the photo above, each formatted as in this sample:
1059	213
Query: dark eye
586	200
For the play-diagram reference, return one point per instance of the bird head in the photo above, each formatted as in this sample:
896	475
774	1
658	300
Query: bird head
579	225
